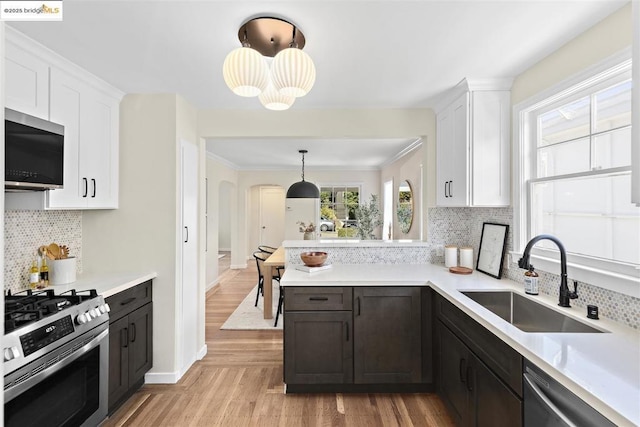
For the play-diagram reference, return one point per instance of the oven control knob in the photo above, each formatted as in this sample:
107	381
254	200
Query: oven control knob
11	353
94	312
82	319
104	308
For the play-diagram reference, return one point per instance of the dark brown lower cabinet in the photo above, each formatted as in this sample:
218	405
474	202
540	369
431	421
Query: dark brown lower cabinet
130	342
474	395
387	335
479	375
355	339
319	347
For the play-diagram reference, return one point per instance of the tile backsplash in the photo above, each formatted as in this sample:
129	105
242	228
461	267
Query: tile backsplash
463	227
25	231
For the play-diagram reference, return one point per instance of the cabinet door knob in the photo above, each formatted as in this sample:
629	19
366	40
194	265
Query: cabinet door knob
450	188
93	181
86	187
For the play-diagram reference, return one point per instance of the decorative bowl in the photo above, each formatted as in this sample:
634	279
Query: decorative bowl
313	259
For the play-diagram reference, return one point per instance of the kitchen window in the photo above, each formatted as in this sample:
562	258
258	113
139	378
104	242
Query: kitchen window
574	164
337	210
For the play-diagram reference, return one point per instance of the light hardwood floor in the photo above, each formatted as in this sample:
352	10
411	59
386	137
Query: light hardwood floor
239	383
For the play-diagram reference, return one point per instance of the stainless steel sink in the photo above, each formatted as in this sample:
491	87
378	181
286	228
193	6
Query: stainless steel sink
527	315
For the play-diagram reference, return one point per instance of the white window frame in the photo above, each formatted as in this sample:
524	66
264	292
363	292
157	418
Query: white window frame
618	277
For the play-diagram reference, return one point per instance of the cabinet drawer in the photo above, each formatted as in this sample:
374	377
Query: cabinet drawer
125	302
318	298
503	360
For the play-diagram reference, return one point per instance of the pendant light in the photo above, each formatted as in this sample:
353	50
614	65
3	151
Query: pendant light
292	72
245	71
303	189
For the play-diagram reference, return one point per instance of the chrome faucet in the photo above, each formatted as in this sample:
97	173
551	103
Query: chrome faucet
565	294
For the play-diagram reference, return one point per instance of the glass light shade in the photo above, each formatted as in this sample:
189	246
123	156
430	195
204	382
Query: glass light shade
271	99
245	72
293	72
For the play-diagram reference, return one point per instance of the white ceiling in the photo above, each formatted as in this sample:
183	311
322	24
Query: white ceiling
368	54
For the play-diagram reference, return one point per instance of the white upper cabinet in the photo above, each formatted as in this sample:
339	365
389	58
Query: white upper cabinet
41	83
27	82
90	120
472	147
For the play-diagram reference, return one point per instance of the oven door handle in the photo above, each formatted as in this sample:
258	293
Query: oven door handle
546	402
18	389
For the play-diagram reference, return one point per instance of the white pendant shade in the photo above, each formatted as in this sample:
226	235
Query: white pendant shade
245	72
271	99
293	72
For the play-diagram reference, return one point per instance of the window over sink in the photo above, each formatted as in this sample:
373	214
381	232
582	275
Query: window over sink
573	153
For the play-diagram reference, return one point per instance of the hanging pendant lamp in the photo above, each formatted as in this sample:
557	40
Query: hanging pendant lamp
303	189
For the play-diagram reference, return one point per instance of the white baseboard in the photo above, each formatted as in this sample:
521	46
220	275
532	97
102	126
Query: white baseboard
212	285
162	377
238	266
202	353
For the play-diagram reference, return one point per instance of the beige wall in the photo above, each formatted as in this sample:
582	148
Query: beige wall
222	195
407	168
141	234
611	35
382	123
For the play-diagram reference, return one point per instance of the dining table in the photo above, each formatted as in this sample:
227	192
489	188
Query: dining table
273	263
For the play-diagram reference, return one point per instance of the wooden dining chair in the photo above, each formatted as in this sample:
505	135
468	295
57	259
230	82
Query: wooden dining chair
261	256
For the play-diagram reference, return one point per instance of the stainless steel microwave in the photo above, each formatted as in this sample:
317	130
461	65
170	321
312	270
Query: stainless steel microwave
33	152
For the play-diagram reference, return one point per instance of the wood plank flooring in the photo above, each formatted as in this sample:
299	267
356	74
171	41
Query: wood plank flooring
239	383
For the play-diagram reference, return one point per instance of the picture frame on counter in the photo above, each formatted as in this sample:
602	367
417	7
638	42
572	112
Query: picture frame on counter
493	245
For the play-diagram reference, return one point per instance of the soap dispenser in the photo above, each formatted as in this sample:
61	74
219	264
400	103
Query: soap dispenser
531	281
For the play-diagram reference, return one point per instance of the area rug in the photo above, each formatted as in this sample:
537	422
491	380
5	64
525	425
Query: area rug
248	317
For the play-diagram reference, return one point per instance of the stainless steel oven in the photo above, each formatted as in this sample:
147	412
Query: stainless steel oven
56	368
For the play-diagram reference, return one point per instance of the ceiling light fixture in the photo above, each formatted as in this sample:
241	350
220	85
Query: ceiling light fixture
303	189
292	72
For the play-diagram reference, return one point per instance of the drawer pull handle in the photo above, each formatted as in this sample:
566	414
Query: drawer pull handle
318	299
358	304
128	301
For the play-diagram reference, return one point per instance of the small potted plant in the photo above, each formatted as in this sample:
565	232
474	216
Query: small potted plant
308	230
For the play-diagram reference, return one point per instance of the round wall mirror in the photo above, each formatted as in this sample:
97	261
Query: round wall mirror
405	206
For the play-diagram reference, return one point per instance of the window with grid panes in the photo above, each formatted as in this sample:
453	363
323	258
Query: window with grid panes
579	188
338	203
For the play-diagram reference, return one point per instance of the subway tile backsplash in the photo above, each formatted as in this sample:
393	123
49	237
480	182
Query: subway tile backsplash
463	227
25	231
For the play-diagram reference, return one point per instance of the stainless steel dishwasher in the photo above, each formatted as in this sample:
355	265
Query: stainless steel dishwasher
547	403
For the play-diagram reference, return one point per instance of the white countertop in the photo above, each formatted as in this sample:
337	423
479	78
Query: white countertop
603	369
106	284
352	243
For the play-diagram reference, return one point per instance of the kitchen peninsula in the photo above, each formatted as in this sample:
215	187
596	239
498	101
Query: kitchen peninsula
333	300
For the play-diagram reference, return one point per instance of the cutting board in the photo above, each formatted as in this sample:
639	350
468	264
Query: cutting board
460	270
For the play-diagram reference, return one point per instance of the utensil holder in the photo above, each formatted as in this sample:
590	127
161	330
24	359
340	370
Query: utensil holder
62	271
